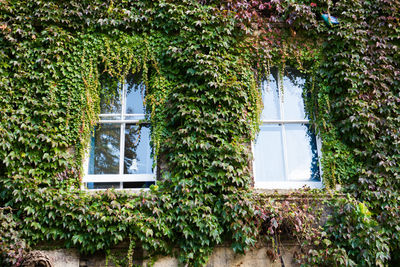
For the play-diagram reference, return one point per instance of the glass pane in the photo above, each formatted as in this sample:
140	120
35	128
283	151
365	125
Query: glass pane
137	158
135	117
105	185
134	99
105	152
137	184
104	117
302	153
293	104
270	97
110	102
269	165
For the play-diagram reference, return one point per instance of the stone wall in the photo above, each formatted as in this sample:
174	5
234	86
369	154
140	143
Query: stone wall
222	256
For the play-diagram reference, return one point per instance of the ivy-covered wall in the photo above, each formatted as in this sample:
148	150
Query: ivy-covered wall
201	62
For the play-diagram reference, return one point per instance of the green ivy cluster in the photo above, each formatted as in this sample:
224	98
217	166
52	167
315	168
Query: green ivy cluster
353	100
200	61
362	85
12	246
52	67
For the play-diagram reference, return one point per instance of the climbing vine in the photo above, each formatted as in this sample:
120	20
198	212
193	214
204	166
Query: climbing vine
201	63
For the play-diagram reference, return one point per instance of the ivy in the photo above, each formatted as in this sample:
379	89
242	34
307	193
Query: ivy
12	246
201	62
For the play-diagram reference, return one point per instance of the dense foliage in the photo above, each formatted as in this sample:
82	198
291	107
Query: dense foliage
12	245
201	61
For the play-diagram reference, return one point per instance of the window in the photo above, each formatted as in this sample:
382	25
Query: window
120	154
286	150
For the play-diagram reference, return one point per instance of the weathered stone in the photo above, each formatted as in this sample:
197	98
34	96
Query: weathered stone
223	256
62	257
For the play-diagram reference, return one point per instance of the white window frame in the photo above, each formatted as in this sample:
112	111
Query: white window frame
287	184
121	177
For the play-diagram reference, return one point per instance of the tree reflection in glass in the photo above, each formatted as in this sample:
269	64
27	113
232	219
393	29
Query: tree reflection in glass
135	89
134	99
105	150
110	102
120	146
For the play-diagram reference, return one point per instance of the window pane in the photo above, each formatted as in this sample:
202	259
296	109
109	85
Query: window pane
104	117
105	150
110	103
103	185
269	164
134	99
270	97
293	104
137	184
302	153
137	158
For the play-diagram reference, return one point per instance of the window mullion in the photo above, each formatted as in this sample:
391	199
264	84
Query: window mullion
284	144
122	149
122	137
283	132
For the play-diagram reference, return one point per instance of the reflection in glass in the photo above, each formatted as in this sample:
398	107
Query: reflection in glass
105	147
295	157
293	104
137	158
137	184
103	185
134	99
302	153
270	97
110	103
269	164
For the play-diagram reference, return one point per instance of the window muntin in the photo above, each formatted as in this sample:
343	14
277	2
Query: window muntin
286	150
120	153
